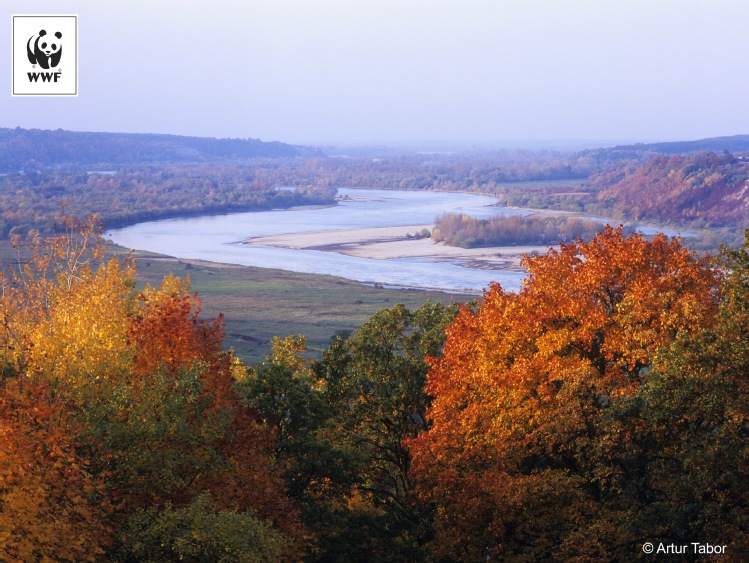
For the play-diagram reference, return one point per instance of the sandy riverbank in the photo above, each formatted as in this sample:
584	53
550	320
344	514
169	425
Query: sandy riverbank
385	243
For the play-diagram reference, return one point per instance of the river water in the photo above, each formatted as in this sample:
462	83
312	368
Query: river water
217	238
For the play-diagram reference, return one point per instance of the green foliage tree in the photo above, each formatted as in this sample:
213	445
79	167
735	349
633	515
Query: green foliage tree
159	435
299	407
340	424
385	402
379	375
199	532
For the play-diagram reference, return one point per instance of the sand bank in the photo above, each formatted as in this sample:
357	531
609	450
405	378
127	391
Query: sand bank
386	243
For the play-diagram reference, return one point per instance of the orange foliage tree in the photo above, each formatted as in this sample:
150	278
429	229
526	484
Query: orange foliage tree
167	331
517	461
51	506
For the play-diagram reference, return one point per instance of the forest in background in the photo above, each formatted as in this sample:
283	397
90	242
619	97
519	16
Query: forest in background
603	406
140	178
28	149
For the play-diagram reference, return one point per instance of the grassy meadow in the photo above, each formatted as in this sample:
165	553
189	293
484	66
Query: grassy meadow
259	303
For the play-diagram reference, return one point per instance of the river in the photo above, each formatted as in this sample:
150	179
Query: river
217	238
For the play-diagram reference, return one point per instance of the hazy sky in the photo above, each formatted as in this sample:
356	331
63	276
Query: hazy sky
322	71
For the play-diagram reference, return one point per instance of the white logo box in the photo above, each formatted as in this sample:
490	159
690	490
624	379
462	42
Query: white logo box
45	64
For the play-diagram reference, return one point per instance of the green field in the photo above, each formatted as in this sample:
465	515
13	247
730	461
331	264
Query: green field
259	303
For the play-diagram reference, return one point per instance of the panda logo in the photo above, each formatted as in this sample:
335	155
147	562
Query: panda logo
44	50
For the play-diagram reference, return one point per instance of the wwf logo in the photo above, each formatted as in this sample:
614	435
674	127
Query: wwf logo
38	41
44	50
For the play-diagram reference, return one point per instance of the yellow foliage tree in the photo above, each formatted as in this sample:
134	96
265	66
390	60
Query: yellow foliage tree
65	312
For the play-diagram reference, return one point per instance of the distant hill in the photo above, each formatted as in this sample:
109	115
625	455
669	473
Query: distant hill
703	188
24	148
732	144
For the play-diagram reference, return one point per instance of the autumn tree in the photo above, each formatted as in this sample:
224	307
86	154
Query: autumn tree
52	508
119	407
457	229
64	313
177	427
681	436
167	330
518	460
65	310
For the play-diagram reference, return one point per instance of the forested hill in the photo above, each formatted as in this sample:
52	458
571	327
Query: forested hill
732	144
703	189
25	148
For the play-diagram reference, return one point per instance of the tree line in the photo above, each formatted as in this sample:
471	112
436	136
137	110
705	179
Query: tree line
31	202
602	406
458	229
